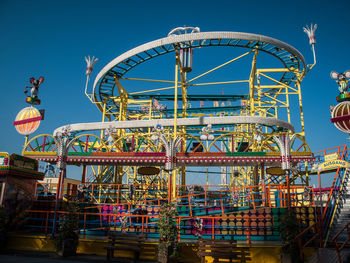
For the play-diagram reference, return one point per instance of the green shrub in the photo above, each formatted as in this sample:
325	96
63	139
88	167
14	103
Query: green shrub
289	229
67	227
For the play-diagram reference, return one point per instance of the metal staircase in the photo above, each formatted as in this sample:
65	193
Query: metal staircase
341	217
335	210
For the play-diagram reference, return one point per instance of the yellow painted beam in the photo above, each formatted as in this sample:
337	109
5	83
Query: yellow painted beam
152	80
276	70
218	83
151	90
40	153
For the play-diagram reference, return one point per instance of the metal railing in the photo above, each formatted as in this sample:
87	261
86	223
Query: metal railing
339	247
248	227
308	235
254	196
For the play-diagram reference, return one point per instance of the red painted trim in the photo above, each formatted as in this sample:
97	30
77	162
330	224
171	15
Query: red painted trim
27	120
113	154
149	154
340	118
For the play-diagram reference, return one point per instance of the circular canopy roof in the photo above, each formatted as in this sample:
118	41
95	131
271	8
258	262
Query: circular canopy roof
288	55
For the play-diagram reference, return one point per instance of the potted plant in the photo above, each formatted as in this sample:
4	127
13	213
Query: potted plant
67	239
167	249
289	229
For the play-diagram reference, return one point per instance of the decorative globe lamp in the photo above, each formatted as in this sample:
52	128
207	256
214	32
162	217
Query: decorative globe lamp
341	116
27	120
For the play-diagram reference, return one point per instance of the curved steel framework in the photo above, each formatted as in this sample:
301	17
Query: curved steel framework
104	85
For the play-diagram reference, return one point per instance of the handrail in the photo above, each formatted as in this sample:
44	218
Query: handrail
115	191
319	155
339	249
329	149
318	233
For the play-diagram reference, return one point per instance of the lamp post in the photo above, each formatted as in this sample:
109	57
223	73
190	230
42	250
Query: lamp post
63	143
170	155
285	143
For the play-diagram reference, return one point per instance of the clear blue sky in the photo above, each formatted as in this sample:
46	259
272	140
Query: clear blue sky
51	38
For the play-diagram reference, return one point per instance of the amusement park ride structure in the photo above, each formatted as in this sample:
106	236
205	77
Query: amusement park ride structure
138	128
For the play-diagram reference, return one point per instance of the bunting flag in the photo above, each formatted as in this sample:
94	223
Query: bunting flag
201	104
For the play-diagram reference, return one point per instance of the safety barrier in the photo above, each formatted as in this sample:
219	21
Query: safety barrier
260	224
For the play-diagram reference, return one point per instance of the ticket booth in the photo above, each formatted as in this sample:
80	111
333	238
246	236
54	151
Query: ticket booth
18	176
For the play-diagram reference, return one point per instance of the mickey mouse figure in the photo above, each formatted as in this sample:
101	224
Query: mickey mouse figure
34	90
341	79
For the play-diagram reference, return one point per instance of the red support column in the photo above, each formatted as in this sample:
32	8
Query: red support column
83	176
169	186
288	190
60	184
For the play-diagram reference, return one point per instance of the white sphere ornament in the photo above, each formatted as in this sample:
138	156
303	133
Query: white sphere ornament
341	116
204	137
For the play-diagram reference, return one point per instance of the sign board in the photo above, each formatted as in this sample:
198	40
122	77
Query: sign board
4	159
334	164
276	171
23	162
148	170
330	157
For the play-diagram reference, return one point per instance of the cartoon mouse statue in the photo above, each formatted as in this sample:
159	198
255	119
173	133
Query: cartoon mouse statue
342	79
34	90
